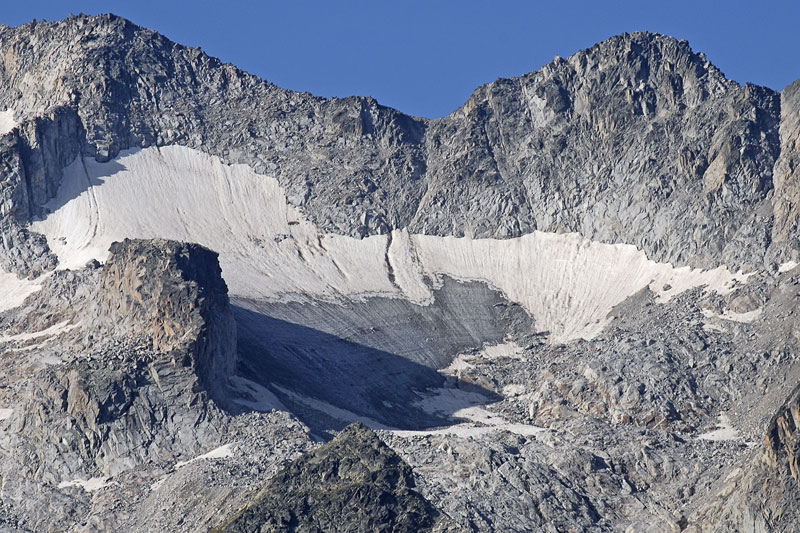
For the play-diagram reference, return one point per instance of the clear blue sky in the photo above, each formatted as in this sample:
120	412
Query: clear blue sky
426	57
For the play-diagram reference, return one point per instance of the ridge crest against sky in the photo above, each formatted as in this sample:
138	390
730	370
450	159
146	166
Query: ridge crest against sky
426	57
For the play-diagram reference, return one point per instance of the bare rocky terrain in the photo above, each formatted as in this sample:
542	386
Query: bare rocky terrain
570	305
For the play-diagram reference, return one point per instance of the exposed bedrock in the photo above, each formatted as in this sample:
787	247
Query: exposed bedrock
764	494
787	171
490	290
32	159
782	442
173	294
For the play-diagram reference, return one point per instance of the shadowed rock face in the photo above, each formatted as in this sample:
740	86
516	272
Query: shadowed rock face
782	442
787	169
353	483
764	495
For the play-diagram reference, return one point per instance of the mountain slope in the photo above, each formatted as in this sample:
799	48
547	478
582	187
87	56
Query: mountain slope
636	140
571	304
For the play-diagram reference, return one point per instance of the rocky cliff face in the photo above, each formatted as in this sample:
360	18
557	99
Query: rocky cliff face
173	295
787	169
782	442
637	140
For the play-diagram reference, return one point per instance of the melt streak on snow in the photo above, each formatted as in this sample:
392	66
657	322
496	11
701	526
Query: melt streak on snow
269	251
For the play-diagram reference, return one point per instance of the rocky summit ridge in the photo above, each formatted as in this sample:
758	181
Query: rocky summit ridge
569	305
559	150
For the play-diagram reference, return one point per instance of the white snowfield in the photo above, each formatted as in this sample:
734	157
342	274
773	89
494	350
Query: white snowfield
269	250
7	122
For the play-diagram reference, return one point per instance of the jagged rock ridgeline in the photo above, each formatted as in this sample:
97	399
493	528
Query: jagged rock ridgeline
636	140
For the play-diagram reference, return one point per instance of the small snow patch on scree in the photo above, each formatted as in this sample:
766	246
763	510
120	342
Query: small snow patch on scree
13	290
744	318
724	431
217	453
269	251
7	122
89	485
55	329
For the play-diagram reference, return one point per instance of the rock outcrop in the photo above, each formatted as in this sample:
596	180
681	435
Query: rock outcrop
173	295
787	169
130	382
353	483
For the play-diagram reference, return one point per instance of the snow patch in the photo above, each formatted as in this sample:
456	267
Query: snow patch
55	329
5	413
787	266
14	290
7	121
269	251
510	350
89	485
256	396
445	401
744	318
217	453
331	410
472	430
568	283
481	420
725	431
